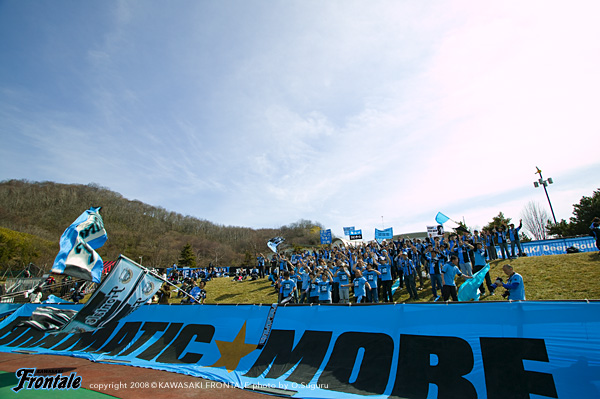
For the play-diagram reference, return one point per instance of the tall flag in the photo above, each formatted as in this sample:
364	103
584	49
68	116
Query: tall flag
274	242
441	218
326	236
127	287
77	256
347	230
381	235
469	290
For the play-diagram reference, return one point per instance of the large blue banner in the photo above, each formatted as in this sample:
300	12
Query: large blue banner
464	350
386	234
557	246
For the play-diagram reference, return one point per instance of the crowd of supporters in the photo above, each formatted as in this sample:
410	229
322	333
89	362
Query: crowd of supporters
368	270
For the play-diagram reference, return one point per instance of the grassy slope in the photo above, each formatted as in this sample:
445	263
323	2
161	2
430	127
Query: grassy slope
562	277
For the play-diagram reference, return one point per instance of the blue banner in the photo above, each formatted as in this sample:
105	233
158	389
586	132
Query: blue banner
556	246
347	230
326	236
386	234
465	350
77	256
355	235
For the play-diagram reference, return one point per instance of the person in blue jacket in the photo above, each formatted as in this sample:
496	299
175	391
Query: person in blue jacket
515	240
501	239
514	285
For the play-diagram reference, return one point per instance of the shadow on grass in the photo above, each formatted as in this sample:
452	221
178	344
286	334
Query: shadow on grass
266	287
224	296
594	256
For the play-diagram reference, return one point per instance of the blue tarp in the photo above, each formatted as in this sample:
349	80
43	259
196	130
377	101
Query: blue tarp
466	350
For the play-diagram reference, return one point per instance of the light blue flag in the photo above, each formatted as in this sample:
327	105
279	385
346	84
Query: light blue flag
469	290
441	218
77	256
274	242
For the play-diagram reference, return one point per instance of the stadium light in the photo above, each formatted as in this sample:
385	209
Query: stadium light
544	183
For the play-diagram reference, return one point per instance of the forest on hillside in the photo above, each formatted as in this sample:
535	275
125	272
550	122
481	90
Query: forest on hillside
33	216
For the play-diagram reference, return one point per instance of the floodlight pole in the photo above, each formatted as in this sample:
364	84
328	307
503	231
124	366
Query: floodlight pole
544	183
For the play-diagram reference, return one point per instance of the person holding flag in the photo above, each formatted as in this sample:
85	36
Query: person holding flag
449	272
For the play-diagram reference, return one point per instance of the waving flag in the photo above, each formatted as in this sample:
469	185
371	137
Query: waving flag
469	290
127	287
274	242
77	256
441	218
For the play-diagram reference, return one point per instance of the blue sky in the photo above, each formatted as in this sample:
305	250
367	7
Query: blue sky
258	114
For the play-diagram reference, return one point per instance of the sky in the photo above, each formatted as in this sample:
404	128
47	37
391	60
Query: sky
371	114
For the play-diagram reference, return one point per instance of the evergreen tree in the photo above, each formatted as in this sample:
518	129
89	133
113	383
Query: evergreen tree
497	221
187	257
583	213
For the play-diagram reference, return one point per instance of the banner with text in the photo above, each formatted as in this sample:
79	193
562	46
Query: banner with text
551	349
557	246
386	234
355	235
435	231
326	236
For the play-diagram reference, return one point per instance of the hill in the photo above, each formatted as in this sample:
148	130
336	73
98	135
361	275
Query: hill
553	277
135	229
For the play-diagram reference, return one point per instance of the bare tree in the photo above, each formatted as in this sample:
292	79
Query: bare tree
535	218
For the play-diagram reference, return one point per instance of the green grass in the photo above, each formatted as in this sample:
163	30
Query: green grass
554	277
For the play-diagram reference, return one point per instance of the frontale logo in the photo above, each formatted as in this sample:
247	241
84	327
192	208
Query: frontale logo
125	276
148	287
29	380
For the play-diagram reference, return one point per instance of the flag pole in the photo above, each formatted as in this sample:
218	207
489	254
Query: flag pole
163	279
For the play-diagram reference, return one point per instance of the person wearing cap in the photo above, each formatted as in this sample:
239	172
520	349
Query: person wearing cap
409	271
449	272
343	276
515	240
384	266
514	285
